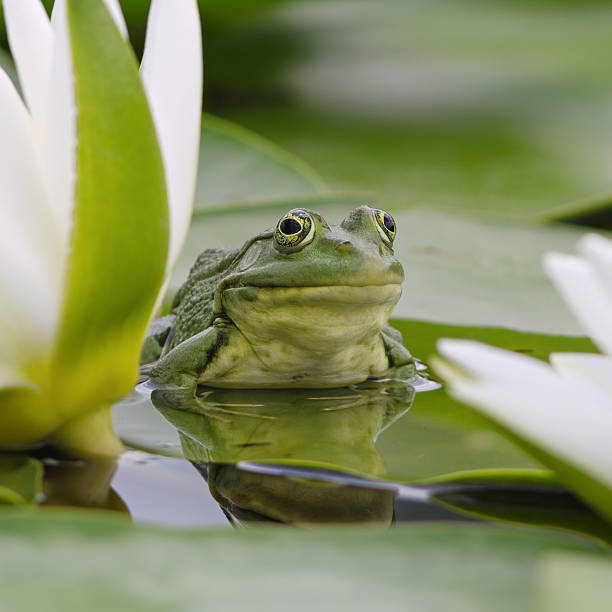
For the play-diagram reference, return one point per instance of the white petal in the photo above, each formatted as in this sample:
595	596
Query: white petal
584	294
491	363
172	75
29	302
30	270
59	139
31	40
568	421
586	369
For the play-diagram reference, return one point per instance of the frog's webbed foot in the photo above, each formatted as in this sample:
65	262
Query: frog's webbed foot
179	370
155	339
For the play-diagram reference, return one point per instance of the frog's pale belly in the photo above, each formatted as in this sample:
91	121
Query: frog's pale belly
303	336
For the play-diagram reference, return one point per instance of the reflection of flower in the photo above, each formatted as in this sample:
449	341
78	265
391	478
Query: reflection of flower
96	190
562	409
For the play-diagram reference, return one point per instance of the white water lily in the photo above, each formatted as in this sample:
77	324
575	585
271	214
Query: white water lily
97	175
563	411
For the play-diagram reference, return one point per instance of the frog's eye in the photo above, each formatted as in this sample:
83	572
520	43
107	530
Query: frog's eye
385	225
295	230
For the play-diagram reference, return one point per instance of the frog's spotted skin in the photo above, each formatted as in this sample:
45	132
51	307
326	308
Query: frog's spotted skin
301	305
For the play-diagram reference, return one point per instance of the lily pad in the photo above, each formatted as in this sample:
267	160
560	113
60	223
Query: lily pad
567	581
236	167
458	567
490	110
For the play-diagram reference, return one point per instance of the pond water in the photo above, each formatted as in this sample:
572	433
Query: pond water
375	453
372	453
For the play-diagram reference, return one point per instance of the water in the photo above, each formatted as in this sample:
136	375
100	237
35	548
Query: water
375	453
379	452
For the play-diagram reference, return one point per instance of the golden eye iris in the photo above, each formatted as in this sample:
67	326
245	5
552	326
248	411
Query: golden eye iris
385	225
295	230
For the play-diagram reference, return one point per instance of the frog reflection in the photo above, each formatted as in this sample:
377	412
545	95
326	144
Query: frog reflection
333	430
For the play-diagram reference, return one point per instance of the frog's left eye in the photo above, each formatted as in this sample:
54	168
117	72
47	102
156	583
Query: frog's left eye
385	225
295	230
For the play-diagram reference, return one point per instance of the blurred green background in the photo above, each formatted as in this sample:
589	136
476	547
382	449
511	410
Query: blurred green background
475	122
492	106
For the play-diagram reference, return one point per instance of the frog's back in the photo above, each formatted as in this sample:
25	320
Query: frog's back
193	303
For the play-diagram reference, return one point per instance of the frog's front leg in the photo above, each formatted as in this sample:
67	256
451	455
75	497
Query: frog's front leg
182	366
398	355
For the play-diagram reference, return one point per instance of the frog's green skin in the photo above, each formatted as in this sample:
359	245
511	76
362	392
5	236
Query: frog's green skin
265	316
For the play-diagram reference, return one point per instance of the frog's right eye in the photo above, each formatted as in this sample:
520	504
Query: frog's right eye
295	230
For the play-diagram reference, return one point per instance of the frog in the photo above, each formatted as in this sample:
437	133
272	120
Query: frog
303	304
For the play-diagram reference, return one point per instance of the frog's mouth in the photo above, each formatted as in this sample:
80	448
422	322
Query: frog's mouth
313	297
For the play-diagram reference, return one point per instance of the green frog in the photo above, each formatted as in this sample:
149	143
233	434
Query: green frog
301	305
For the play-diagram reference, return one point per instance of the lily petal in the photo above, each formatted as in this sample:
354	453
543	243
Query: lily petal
172	75
568	421
492	364
585	369
31	40
59	138
585	295
30	273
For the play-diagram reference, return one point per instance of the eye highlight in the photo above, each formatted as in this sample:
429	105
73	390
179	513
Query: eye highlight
385	224
295	230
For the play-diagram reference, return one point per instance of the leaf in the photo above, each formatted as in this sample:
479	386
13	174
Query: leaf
525	497
120	234
20	479
421	337
238	167
491	112
567	581
429	567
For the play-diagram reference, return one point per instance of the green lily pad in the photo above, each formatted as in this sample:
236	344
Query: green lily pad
20	479
566	581
459	567
498	108
238	167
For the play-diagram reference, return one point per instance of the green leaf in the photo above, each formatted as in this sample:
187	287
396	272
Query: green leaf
120	234
493	111
566	581
426	567
421	337
238	167
525	497
20	479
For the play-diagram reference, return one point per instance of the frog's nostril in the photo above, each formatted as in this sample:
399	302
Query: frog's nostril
345	246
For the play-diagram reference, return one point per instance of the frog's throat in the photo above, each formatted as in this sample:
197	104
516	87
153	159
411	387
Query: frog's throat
342	312
312	295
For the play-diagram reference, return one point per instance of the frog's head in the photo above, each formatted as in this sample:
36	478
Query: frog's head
304	251
305	276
